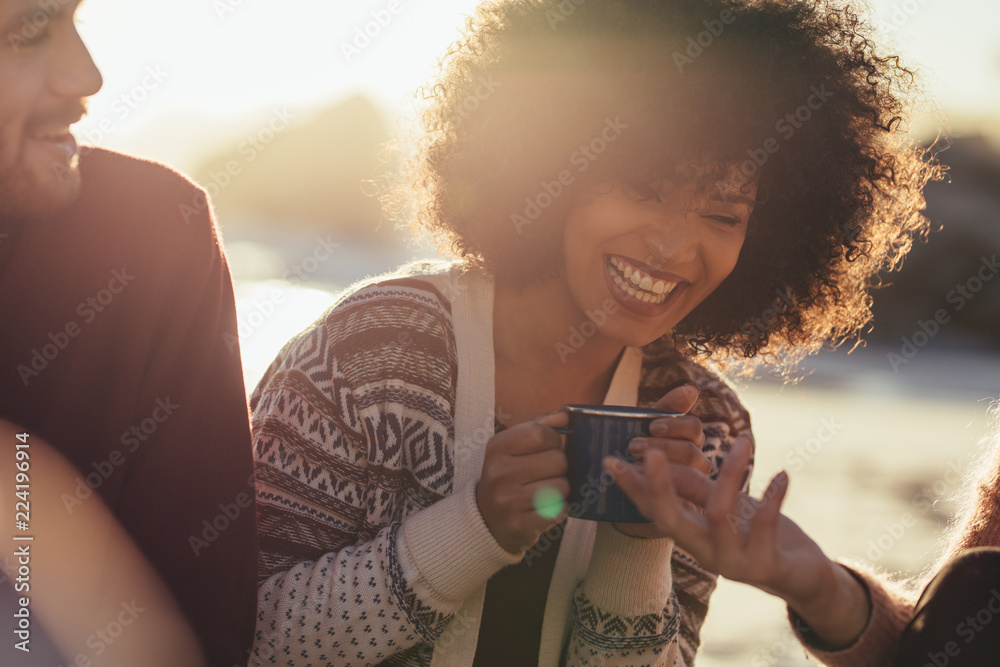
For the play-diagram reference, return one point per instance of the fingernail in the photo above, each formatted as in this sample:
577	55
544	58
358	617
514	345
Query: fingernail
659	427
611	463
781	479
695	387
637	446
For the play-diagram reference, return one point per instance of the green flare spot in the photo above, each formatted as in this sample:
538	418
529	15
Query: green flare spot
548	502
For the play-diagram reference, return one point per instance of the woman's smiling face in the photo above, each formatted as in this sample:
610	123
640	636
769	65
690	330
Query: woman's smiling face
653	260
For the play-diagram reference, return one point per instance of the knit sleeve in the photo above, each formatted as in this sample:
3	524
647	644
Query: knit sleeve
366	553
650	612
891	607
892	604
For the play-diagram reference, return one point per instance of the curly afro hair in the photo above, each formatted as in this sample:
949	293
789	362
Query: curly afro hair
794	93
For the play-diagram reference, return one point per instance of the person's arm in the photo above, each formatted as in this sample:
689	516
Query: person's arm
751	542
353	569
85	574
977	525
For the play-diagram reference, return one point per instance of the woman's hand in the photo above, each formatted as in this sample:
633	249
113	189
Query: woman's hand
748	540
680	439
523	489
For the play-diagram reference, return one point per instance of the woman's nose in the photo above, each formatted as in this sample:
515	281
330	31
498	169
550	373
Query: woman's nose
672	242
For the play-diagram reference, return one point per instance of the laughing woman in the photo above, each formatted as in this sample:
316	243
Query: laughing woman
633	189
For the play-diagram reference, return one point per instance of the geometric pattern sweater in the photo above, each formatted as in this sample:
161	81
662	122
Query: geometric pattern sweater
367	552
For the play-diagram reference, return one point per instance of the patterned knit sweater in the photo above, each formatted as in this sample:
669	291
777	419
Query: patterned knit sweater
367	552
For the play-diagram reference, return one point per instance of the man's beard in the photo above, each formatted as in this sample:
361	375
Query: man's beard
25	192
23	198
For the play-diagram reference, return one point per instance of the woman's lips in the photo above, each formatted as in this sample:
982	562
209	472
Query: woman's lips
641	290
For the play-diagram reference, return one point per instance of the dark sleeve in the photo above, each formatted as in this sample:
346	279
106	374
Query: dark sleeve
189	489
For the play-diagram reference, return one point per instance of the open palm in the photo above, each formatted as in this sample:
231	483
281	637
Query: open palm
728	532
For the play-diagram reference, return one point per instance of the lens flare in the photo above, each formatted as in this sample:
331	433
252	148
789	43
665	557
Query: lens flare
548	502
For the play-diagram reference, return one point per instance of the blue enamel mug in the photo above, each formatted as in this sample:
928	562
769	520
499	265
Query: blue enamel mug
595	432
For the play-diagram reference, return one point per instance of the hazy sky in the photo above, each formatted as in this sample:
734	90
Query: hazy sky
230	59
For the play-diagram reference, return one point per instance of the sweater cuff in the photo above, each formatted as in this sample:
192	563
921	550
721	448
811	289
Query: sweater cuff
878	642
629	576
451	547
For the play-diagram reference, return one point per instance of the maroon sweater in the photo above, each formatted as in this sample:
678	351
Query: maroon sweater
118	347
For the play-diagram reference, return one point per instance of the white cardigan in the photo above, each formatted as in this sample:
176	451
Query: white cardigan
617	589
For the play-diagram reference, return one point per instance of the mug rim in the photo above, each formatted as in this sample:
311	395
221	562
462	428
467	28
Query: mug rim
618	411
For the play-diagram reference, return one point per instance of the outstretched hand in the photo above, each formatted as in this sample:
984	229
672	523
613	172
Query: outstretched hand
745	539
679	439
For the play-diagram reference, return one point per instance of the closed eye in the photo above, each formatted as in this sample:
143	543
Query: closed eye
728	220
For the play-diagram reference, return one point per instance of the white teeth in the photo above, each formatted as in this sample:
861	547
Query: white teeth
639	285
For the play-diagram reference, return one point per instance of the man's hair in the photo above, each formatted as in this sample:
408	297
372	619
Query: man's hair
542	101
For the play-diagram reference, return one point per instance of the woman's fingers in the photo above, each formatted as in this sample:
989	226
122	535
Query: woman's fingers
720	512
680	399
680	428
648	487
764	524
677	451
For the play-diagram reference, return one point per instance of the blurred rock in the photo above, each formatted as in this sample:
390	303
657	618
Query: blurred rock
966	210
306	177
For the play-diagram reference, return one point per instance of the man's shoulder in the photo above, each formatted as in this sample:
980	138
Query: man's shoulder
141	173
126	184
